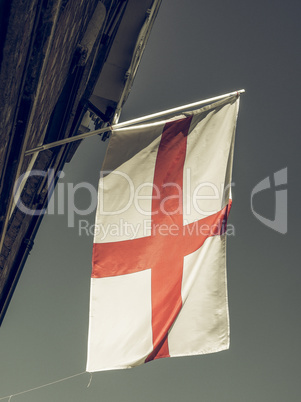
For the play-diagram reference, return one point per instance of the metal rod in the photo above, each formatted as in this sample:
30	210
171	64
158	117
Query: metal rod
128	123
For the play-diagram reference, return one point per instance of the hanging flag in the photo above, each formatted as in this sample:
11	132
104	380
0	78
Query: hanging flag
158	286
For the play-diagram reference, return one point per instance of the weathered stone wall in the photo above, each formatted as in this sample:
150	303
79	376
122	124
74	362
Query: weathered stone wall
69	30
15	51
20	221
40	46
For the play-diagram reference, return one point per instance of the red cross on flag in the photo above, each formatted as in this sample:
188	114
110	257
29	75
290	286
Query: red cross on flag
158	286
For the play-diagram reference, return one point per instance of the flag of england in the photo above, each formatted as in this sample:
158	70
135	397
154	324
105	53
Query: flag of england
158	286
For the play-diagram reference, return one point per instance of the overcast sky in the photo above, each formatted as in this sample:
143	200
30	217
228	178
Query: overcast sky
197	50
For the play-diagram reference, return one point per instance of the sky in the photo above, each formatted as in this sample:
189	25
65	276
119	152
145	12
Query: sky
196	50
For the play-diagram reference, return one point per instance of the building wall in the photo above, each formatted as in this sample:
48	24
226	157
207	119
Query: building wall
63	50
17	43
54	52
41	51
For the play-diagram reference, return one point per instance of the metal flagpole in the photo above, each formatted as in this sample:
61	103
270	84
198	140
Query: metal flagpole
129	123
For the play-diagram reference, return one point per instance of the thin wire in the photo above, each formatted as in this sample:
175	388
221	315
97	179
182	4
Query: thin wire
46	385
90	380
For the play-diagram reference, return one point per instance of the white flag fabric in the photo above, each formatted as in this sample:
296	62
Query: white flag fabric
158	286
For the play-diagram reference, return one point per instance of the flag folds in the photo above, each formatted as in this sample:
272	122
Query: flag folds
158	286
